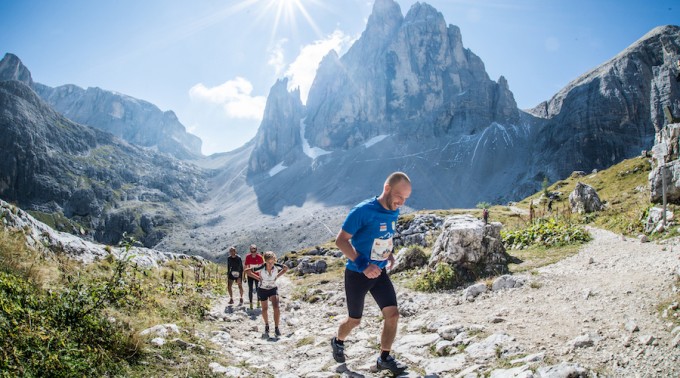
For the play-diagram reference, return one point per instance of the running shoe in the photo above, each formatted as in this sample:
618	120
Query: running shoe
231	301
392	365
338	351
240	302
277	332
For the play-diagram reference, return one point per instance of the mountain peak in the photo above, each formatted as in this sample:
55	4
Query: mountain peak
11	68
424	12
385	18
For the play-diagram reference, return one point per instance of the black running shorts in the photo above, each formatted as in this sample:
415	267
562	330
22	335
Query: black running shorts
357	285
264	294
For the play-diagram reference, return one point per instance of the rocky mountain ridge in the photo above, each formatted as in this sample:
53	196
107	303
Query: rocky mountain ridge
136	121
409	96
55	166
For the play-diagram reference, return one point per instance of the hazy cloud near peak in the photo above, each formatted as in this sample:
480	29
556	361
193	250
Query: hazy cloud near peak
302	70
234	96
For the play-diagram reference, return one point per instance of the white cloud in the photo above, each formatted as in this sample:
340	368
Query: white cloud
303	69
234	96
276	56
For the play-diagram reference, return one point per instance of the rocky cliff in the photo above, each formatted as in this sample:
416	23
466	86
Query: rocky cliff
55	166
136	121
611	113
409	96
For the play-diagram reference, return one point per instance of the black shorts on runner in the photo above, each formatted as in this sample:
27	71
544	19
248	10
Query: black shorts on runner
357	285
264	294
232	278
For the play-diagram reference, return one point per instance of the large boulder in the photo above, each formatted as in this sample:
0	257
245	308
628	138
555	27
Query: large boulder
671	171
417	230
470	247
409	258
584	199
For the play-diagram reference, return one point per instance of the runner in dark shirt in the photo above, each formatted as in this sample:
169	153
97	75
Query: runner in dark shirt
234	273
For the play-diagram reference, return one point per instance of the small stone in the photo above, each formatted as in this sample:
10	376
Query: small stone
643	238
646	339
582	341
591	260
158	341
631	326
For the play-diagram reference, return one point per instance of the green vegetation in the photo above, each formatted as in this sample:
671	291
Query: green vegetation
550	232
622	187
442	278
59	318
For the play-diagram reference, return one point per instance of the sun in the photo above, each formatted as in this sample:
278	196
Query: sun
285	13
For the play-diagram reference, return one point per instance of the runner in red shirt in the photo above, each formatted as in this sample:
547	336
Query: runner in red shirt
253	259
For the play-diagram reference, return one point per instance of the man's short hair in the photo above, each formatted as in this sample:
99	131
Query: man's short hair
396	178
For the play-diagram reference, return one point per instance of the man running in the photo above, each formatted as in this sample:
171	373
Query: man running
253	259
366	240
234	273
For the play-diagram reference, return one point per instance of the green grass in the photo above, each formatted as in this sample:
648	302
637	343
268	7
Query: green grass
54	314
536	257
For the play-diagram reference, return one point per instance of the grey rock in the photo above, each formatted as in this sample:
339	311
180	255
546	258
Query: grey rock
229	371
523	371
654	221
562	370
675	343
646	339
307	266
529	358
631	326
409	258
161	330
470	246
417	230
582	341
158	341
498	343
443	347
584	199
473	291
508	282
440	365
450	332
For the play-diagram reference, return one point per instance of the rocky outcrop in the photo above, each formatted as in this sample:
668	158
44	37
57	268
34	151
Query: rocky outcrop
11	68
470	247
612	112
136	121
279	137
409	258
584	199
407	75
418	231
665	165
53	165
409	94
42	238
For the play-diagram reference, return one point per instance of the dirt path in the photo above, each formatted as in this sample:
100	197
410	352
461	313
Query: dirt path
611	281
591	295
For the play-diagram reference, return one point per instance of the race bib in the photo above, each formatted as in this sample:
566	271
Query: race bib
381	249
236	274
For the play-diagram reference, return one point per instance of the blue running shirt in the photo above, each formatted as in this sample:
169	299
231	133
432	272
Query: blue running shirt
372	228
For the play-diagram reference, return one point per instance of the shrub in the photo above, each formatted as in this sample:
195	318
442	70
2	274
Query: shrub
442	278
546	233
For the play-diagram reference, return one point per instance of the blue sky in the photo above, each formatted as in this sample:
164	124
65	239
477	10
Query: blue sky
213	62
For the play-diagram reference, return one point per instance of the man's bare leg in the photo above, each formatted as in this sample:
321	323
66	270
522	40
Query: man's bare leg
389	332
